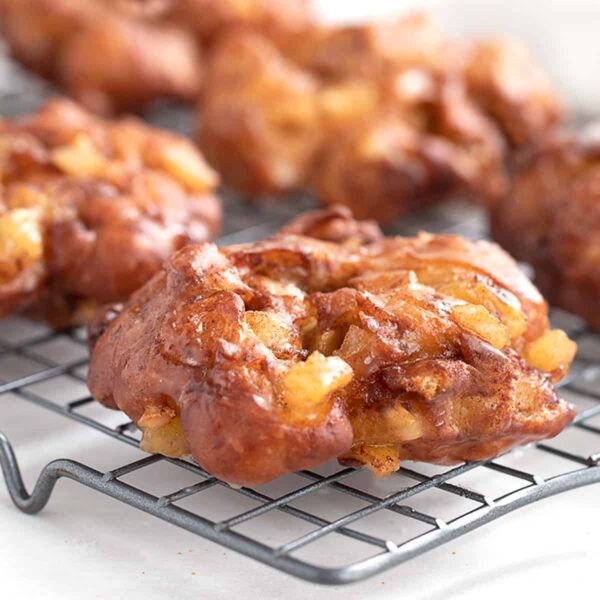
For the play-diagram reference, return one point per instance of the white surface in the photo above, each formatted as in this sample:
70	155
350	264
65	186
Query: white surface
84	546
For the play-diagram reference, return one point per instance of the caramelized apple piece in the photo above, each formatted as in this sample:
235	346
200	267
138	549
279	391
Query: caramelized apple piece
79	158
552	352
479	320
187	166
308	385
162	432
20	241
380	460
270	330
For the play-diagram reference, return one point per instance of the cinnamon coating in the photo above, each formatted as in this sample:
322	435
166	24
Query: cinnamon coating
282	354
89	209
551	219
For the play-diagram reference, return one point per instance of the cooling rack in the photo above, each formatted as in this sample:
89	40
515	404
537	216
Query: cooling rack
382	523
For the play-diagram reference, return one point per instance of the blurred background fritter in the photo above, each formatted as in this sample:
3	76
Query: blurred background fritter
426	143
551	219
512	89
119	55
105	54
89	209
259	119
376	49
397	112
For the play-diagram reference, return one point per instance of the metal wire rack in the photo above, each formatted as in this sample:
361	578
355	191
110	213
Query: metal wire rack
384	523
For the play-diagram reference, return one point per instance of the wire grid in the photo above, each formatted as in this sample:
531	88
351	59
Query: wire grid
382	522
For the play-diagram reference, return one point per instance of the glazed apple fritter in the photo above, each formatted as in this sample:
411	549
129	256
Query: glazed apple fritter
104	53
89	209
551	219
395	111
271	127
282	354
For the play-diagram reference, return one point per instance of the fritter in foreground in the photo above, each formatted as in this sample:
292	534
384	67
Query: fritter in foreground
89	209
280	355
551	219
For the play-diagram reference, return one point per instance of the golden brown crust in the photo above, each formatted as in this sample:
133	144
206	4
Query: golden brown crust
90	208
424	148
551	219
282	354
334	225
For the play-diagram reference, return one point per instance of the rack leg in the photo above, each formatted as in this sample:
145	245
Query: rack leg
28	503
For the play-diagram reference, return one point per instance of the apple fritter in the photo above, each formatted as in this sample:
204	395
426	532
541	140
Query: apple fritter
551	219
281	354
104	53
89	209
271	127
396	111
